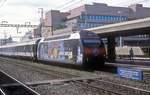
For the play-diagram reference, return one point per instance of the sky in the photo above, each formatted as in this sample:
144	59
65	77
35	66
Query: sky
21	11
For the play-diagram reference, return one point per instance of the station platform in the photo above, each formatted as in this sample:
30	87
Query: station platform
143	65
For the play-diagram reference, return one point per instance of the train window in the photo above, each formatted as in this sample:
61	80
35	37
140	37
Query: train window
24	48
27	48
19	50
31	48
45	45
15	49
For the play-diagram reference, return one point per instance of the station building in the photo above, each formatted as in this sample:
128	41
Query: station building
95	15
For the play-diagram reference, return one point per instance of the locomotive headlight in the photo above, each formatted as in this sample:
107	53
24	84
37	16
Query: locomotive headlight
95	52
87	59
104	55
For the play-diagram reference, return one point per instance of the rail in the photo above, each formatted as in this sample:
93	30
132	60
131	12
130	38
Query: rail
21	88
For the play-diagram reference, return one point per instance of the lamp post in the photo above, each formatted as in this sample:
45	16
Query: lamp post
120	38
28	23
4	33
28	31
41	20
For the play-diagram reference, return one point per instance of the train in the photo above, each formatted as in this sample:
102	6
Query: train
82	48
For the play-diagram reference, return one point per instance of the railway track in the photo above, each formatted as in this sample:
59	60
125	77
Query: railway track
94	84
123	89
11	86
53	73
71	84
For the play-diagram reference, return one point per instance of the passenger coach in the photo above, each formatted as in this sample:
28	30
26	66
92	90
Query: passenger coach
26	49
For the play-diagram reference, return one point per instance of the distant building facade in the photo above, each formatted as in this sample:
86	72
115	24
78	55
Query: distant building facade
98	14
28	36
88	16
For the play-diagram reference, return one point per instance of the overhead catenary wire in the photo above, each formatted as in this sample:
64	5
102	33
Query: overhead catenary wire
132	3
68	4
70	1
71	4
2	3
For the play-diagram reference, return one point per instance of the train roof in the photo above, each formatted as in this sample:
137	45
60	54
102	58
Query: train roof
30	42
74	35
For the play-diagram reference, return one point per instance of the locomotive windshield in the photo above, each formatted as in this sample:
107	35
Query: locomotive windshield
92	42
90	39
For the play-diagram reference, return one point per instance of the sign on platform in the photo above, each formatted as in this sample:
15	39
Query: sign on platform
130	73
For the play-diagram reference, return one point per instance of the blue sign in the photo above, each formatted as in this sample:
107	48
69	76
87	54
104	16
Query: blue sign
130	73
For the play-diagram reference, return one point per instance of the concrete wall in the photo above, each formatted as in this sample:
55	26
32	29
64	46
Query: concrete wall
76	12
54	17
103	9
138	11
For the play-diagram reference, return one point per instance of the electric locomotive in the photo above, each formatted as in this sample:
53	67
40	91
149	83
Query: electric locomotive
82	48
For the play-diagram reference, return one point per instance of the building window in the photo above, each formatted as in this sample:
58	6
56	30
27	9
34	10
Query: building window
102	18
88	17
96	17
108	18
81	17
122	18
99	17
113	18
